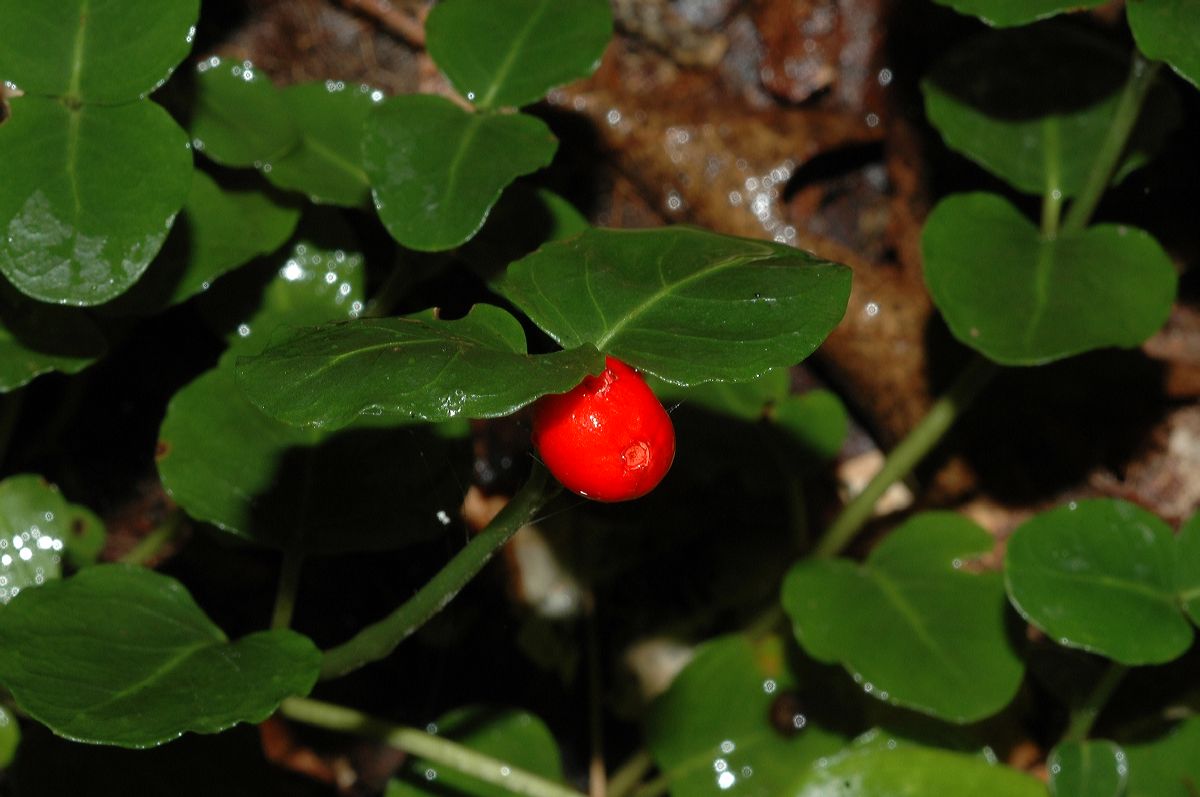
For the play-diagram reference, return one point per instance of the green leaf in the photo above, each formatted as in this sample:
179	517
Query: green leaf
88	196
38	527
515	737
1021	299
913	624
282	486
501	53
94	51
412	369
683	304
1166	767
891	770
1087	769
326	166
1003	13
750	401
219	230
1168	30
1187	567
1100	575
10	737
238	118
733	723
122	655
38	338
1033	106
817	420
436	170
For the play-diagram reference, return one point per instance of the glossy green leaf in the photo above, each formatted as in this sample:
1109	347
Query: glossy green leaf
10	737
500	53
88	196
732	723
898	770
1087	769
515	737
1168	766
1187	567
219	230
1023	300
122	655
94	51
686	305
238	117
436	170
1003	13
412	369
915	624
1033	106
326	165
1100	575
38	528
1168	30
281	486
38	338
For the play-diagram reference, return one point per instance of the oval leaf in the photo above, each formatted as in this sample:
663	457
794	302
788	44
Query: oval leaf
1168	30
913	623
1168	766
436	170
37	338
515	737
412	369
88	196
1033	106
326	165
733	723
1100	575
122	655
500	53
238	118
683	304
1087	769
1003	13
95	52
1021	299
1187	569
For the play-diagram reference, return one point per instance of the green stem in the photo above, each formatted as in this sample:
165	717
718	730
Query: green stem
1053	197
1141	77
379	639
1085	716
150	545
435	749
289	584
907	454
627	777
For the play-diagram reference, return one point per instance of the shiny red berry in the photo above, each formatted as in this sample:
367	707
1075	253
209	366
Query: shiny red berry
608	439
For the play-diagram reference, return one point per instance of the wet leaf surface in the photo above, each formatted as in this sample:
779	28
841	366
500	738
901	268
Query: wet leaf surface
238	117
1087	769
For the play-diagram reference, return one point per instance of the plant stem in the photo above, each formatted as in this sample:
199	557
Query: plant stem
289	583
1053	196
379	639
1085	716
626	778
1141	77
907	454
436	749
147	547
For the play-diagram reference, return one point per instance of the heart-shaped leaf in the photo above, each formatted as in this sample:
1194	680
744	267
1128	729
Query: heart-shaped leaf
1021	299
683	304
1167	30
1187	569
238	117
1100	575
436	170
915	623
1003	13
122	655
37	338
326	165
1087	769
515	737
413	369
501	53
1034	105
88	195
1168	766
94	52
733	722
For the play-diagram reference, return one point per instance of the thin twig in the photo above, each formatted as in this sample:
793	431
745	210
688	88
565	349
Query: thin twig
408	28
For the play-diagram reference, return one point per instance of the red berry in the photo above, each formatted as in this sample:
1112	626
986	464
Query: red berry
608	439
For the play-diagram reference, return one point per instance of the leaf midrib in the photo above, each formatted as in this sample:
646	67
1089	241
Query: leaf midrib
506	66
